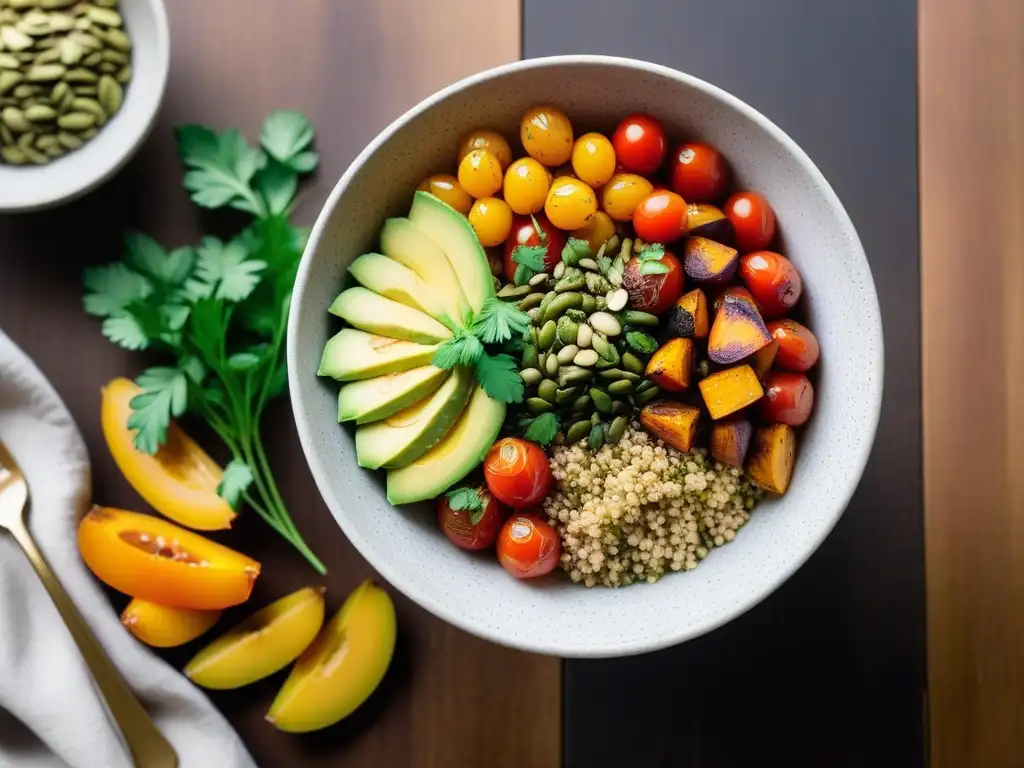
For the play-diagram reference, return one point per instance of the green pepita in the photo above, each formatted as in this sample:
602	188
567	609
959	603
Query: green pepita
640	398
635	317
69	140
529	358
510	291
551	365
530	376
547	390
602	400
104	16
76	121
42	73
81	75
581	404
617	429
13	155
537	406
546	336
564	395
567	330
596	438
621	387
14	119
9	80
578	431
38	113
573	374
8	61
632	363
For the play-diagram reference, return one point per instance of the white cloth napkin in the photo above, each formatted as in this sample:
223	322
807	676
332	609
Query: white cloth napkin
50	713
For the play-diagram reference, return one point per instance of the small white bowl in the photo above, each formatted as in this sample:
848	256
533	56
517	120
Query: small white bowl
553	615
35	187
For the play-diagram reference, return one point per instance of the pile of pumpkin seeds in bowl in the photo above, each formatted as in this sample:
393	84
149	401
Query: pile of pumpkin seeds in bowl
64	67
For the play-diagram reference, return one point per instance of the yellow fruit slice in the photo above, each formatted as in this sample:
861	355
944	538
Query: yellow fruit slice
267	641
164	627
179	481
342	667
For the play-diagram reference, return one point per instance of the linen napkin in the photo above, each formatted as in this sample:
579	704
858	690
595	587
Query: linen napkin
50	712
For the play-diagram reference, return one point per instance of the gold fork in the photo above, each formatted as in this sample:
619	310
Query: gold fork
148	747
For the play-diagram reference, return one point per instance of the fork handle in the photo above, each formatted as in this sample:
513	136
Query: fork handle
148	747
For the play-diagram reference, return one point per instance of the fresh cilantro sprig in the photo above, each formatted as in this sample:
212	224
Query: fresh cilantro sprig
529	261
499	376
542	429
574	250
467	498
462	349
217	312
650	260
498	321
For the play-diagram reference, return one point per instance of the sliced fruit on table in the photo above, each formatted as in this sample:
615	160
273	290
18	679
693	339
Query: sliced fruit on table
453	233
707	261
163	627
368	311
264	643
353	355
397	282
689	316
343	665
383	396
675	423
730	441
738	331
731	390
402	438
179	481
411	246
146	557
671	366
772	456
461	450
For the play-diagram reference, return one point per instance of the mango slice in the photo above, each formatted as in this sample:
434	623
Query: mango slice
709	262
342	667
267	641
163	627
730	441
771	462
179	481
675	423
738	331
730	390
671	366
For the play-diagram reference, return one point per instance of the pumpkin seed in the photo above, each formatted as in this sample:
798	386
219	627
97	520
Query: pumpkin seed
572	280
106	3
55	150
573	374
125	74
605	323
617	299
596	438
25	90
539	279
61	22
612	374
589	303
602	400
621	387
76	121
530	376
578	431
612	359
104	16
581	404
529	359
46	141
632	363
588	264
26	139
104	67
85	90
531	301
646	396
537	406
584	335
14	119
6	137
558	271
551	365
546	337
635	317
92	59
14	39
601	346
586	358
87	41
8	61
567	330
617	429
8	80
13	155
547	390
566	354
561	303
510	291
80	75
35	156
597	284
40	112
564	395
118	39
55	4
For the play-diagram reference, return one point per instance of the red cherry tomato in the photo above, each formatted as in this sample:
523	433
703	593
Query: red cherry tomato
458	526
798	347
528	546
654	293
752	219
699	173
517	472
524	233
773	280
788	398
640	144
660	217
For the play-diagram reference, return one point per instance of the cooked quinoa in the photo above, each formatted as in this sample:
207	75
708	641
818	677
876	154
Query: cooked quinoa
638	508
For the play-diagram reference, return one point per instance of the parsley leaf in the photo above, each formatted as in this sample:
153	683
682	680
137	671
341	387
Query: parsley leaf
112	287
125	330
144	255
653	268
284	135
462	349
499	376
522	274
530	256
641	342
164	393
223	270
277	183
499	321
543	429
222	166
237	478
464	498
651	252
574	250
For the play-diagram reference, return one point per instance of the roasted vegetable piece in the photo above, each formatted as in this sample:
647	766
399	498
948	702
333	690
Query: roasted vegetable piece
738	332
798	347
762	360
773	280
730	390
771	461
730	441
788	398
675	423
736	291
689	317
703	220
671	366
707	261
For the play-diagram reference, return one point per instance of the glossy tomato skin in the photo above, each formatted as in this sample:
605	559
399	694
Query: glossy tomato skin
773	280
660	217
458	526
524	233
699	173
528	546
517	472
640	144
752	219
654	293
788	398
798	346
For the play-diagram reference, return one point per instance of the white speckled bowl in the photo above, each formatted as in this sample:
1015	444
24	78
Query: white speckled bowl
554	616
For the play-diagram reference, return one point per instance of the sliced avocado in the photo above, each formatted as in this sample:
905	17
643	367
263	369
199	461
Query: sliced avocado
462	449
404	437
397	282
453	232
371	312
407	244
351	355
382	396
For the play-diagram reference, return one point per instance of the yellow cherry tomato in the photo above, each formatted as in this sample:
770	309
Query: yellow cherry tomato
526	185
447	188
492	141
546	134
571	204
597	231
623	193
491	218
593	159
480	173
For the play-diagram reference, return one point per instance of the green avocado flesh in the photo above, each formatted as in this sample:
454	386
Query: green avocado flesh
368	311
351	355
382	396
397	282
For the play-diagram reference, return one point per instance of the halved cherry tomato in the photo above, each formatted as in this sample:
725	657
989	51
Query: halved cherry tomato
528	546
654	293
517	472
773	280
660	217
798	347
458	525
788	398
525	233
752	219
640	144
699	173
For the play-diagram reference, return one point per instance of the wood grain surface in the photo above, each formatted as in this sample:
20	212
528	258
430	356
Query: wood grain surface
450	699
972	226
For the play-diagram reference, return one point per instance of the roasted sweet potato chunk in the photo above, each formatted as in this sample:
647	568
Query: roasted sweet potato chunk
738	331
707	261
762	360
730	441
737	291
675	423
708	221
771	461
730	390
671	366
689	316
